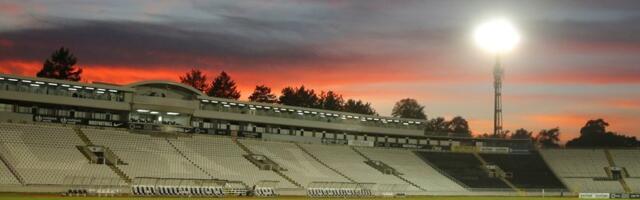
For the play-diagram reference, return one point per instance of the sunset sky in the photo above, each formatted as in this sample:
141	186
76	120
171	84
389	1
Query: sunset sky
578	60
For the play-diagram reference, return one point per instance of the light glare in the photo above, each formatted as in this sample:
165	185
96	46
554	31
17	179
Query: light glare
496	36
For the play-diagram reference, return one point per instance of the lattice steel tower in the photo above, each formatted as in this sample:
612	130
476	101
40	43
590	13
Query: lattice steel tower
497	84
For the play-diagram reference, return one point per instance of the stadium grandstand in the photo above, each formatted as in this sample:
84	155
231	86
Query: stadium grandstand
160	138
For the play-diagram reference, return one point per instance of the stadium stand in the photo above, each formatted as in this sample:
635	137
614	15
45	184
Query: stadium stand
464	167
413	169
47	154
299	166
347	161
591	185
141	151
634	184
528	171
160	138
219	156
582	170
6	177
629	160
576	163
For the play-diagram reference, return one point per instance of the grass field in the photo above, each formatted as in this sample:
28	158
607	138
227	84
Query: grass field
53	197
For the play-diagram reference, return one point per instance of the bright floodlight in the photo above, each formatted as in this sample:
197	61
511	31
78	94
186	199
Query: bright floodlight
496	36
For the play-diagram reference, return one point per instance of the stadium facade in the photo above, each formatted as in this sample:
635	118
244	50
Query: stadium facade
166	138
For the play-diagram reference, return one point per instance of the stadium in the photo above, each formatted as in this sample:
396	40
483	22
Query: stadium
166	139
123	120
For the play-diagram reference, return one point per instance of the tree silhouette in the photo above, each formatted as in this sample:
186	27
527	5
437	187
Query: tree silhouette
196	79
60	66
503	135
522	134
595	134
408	108
299	97
437	126
459	127
358	106
330	101
263	94
224	87
548	138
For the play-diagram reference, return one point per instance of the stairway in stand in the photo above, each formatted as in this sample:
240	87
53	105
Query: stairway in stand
277	171
624	184
484	165
324	164
185	157
82	136
396	175
12	169
112	166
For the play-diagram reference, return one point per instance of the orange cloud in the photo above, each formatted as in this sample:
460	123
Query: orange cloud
625	104
21	67
480	126
370	83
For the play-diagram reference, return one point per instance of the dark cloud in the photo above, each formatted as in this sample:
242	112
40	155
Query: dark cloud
146	44
623	30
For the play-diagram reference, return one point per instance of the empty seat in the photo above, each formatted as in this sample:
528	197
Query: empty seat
413	168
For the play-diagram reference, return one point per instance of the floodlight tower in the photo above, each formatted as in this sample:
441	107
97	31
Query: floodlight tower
497	37
497	98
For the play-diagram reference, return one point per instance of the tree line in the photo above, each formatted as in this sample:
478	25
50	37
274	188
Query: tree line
223	86
593	134
61	65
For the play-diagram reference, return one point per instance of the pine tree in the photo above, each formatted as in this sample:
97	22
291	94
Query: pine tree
299	97
263	94
330	101
60	66
359	107
196	79
224	87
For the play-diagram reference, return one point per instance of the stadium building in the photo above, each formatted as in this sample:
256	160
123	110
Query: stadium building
160	138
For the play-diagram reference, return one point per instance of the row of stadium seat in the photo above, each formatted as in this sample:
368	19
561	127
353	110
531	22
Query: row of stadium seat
300	166
264	192
347	161
413	169
6	177
629	160
145	190
92	192
141	151
529	171
222	158
338	192
634	184
464	167
45	154
582	169
576	163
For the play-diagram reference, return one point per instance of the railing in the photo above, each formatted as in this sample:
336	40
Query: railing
311	117
58	90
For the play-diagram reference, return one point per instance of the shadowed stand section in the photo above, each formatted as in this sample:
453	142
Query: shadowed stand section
465	168
501	177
